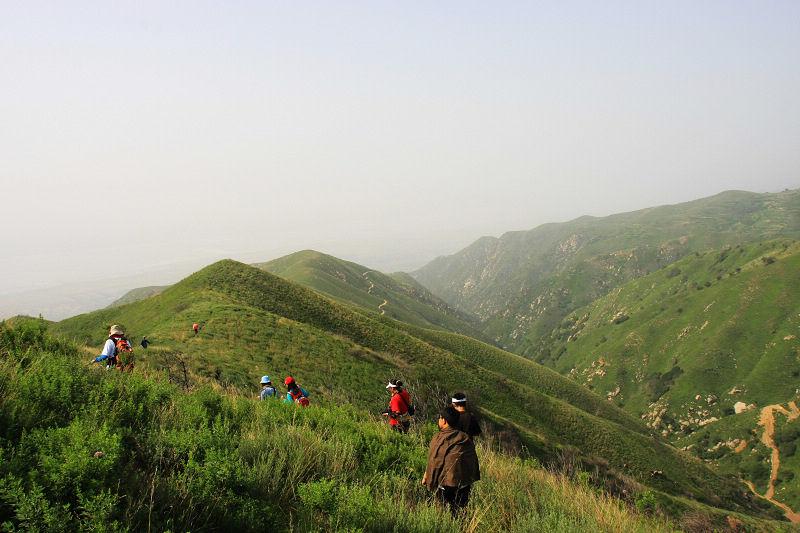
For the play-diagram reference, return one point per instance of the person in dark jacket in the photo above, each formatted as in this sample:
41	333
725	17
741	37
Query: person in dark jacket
452	463
468	421
144	342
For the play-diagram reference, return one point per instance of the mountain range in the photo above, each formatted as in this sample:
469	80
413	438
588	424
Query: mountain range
670	335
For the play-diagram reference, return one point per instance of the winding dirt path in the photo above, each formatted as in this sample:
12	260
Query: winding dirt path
767	421
371	285
369	291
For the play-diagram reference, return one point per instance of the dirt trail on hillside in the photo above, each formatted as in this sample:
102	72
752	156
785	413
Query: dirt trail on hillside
369	291
767	421
371	285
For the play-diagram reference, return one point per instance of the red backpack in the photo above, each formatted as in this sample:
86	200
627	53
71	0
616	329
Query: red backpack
299	398
123	354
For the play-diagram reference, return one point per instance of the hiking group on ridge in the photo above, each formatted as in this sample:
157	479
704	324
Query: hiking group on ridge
452	467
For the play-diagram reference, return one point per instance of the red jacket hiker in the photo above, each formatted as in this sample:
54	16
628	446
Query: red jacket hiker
399	406
195	327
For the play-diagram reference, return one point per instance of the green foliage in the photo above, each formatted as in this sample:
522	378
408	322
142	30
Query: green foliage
256	323
646	502
135	453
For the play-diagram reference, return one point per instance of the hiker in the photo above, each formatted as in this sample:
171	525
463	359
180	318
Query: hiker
115	346
400	408
467	420
452	463
195	327
295	393
267	389
144	342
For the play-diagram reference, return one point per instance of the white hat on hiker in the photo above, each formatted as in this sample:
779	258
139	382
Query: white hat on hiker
115	330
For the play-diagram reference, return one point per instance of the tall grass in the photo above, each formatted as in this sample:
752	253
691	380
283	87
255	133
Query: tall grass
82	448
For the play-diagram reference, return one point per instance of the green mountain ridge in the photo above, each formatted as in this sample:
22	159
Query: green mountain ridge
524	283
681	346
255	322
397	295
139	293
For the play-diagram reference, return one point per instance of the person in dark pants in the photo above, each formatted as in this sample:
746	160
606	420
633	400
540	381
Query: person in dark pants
144	342
467	420
452	463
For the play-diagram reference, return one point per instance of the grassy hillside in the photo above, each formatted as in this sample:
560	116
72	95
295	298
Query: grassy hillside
524	283
397	296
681	346
255	323
134	295
90	450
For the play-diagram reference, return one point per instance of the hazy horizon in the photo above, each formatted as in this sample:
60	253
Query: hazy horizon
140	142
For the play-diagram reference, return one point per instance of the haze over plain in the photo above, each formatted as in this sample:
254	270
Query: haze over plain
142	142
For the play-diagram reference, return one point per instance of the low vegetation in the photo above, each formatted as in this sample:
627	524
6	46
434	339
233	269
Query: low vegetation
713	330
255	323
93	450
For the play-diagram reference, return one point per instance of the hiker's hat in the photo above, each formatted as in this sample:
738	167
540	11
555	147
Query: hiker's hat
459	397
288	381
393	384
116	330
265	380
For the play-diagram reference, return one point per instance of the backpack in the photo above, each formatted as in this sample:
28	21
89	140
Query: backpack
409	406
123	354
300	398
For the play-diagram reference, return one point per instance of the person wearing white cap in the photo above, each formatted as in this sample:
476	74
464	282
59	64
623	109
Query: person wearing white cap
400	407
467	420
109	354
267	389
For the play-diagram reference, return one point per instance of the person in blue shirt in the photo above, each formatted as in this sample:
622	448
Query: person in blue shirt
295	393
267	389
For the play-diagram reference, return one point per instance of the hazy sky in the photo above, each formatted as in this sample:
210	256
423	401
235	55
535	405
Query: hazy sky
148	136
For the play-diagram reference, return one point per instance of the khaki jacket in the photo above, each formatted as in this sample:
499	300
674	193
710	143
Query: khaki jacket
452	461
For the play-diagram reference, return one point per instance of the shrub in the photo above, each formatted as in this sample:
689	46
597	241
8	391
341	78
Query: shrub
646	502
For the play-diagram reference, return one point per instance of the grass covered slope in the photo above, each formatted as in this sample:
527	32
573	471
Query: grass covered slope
703	326
134	295
85	449
397	296
255	323
524	283
684	344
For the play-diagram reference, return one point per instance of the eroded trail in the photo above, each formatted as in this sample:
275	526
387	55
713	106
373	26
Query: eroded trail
767	421
369	291
371	285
